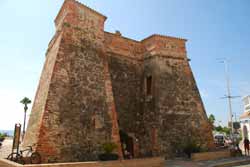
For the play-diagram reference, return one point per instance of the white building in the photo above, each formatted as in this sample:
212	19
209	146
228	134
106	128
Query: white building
245	118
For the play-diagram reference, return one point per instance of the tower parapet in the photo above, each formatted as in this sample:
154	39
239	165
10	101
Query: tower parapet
77	14
88	23
165	45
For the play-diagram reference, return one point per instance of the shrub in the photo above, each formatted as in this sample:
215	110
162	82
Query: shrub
109	147
192	146
2	137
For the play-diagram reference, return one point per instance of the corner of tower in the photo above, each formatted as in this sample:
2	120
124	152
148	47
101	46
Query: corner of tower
165	46
77	14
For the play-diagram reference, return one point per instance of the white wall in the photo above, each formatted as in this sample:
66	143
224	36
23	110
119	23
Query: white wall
247	124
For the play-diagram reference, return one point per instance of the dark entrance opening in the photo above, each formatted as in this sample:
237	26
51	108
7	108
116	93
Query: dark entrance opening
127	145
149	85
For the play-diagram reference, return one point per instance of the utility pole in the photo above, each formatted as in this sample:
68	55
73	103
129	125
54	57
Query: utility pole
235	117
228	96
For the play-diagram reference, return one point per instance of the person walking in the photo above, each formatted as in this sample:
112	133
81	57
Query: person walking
246	146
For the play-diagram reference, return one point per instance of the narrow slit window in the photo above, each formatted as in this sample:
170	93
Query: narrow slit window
149	85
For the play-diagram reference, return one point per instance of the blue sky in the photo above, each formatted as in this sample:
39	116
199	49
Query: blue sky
214	29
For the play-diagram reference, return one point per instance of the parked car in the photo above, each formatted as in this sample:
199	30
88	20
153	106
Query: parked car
219	140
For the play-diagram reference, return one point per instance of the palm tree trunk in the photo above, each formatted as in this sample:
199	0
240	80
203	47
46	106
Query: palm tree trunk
24	122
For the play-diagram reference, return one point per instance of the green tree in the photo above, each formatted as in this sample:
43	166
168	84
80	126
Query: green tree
226	130
219	128
211	119
25	101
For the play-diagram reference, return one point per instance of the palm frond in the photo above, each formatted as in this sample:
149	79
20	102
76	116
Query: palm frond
25	100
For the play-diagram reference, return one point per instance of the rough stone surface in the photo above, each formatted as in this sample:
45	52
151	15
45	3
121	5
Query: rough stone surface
94	88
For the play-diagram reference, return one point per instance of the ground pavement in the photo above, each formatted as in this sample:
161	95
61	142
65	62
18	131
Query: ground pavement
5	149
188	163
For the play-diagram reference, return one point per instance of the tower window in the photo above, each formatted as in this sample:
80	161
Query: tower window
149	85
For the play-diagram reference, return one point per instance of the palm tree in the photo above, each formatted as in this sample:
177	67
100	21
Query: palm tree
25	101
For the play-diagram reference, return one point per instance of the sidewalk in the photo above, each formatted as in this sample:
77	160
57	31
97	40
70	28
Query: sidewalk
5	149
234	161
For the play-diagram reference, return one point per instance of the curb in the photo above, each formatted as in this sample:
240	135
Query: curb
232	163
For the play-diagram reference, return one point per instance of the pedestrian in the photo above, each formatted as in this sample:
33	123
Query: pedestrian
128	155
238	150
246	146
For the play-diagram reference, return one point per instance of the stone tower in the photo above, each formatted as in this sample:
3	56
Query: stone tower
99	87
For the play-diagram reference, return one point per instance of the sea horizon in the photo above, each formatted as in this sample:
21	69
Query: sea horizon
9	132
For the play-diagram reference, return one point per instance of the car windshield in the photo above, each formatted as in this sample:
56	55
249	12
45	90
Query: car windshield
218	137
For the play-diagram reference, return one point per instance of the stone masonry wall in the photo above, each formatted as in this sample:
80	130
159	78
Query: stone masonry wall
177	113
78	116
178	105
94	85
126	75
77	96
42	92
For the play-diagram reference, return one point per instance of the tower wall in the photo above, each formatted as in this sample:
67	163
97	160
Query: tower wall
177	112
98	87
78	113
39	105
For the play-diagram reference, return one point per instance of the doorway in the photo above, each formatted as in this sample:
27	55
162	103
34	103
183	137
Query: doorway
127	145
